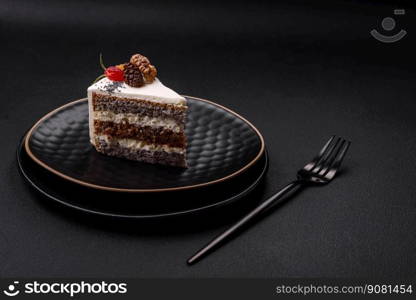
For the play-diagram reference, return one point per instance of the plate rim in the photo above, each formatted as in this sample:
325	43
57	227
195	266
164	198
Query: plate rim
125	190
229	200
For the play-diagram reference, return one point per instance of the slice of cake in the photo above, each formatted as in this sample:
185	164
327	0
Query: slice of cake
133	115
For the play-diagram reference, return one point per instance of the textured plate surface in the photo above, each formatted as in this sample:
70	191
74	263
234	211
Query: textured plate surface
221	144
141	206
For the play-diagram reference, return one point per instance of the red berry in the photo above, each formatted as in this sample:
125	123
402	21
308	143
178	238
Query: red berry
114	74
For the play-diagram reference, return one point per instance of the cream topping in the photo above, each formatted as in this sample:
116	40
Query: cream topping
154	92
91	118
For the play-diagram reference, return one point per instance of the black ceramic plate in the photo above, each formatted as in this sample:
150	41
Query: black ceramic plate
221	145
140	206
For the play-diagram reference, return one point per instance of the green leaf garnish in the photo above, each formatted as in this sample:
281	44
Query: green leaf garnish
98	78
101	62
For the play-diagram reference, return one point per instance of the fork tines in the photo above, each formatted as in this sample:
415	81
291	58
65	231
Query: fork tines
329	159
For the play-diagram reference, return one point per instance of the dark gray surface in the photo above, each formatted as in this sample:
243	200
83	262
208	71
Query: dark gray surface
300	73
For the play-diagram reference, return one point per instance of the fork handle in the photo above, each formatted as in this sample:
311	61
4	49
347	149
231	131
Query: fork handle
242	222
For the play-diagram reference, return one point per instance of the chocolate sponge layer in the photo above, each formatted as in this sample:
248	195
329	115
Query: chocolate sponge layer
148	134
155	157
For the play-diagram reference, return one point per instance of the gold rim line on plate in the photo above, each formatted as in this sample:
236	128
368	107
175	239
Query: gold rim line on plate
112	189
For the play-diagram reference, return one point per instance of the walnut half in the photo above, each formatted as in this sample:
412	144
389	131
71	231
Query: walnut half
148	70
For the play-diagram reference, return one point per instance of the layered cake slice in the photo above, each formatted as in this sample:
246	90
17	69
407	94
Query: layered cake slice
134	116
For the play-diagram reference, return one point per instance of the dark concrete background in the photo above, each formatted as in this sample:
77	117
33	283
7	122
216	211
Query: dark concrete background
300	72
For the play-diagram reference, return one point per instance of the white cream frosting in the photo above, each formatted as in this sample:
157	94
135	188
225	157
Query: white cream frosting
154	92
135	119
91	118
139	145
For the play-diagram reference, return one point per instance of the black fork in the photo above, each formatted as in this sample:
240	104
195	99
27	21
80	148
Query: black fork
321	170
